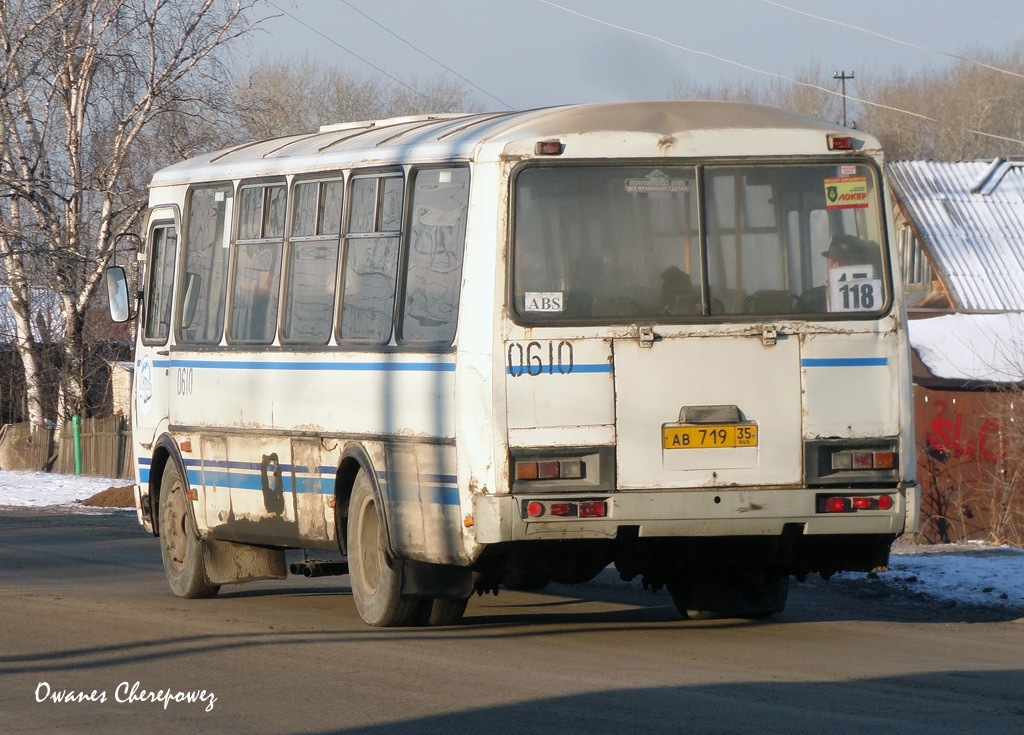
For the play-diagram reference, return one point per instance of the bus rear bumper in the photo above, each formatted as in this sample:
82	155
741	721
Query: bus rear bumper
685	513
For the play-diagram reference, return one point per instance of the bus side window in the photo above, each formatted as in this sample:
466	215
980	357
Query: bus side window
371	258
437	234
308	308
256	279
160	288
205	259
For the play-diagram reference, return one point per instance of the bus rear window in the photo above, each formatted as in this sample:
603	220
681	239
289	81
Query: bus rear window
622	244
607	243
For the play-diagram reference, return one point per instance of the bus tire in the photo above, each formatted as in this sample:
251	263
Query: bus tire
447	612
376	584
180	547
755	593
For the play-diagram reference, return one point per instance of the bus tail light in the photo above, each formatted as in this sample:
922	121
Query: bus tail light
853	503
565	509
852	463
565	469
841	143
550	148
863	460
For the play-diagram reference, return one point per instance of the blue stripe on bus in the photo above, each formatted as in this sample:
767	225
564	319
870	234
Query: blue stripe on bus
439	494
386	367
844	361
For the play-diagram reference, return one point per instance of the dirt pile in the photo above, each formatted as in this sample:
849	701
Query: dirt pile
112	497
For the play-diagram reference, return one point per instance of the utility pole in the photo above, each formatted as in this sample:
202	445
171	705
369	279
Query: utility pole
842	80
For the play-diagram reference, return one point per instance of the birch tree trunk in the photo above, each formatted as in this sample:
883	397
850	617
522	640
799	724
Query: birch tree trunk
85	87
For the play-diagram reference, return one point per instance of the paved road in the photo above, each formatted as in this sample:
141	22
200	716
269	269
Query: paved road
84	607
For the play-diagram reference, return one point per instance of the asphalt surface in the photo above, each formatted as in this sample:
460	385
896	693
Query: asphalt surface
84	609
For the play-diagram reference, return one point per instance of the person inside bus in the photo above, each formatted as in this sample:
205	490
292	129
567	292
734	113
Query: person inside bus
678	296
843	250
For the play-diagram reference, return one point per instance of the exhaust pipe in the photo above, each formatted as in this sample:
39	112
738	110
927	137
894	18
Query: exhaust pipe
319	568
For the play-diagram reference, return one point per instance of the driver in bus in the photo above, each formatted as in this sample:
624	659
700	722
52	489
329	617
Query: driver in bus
843	250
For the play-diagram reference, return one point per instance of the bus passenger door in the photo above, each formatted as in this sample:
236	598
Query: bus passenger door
152	378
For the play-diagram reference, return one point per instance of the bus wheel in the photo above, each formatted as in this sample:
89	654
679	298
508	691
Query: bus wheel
180	547
446	612
376	585
753	593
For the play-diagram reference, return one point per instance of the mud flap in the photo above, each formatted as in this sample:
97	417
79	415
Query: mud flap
230	563
440	581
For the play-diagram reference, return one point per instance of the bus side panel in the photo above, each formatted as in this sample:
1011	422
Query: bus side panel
424	507
851	385
309	490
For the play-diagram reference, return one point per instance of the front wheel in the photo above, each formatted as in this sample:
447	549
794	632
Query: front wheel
180	547
376	585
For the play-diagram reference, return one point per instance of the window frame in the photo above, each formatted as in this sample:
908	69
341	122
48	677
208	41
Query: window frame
700	165
236	241
171	220
181	282
404	257
321	178
354	175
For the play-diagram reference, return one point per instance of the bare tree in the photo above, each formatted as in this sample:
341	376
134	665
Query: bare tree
807	98
298	96
85	84
964	98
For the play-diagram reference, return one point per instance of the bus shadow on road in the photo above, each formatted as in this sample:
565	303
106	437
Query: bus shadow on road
949	701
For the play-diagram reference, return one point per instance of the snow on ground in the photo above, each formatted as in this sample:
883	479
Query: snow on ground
970	574
43	489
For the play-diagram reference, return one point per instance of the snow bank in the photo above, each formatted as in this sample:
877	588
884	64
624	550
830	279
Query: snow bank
984	347
42	489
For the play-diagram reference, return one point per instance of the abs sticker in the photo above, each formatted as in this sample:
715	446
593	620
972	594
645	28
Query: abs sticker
549	301
849	192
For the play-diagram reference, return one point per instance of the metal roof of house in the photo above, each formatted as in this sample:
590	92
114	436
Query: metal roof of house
970	219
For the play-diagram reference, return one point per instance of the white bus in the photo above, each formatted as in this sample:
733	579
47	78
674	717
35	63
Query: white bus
448	353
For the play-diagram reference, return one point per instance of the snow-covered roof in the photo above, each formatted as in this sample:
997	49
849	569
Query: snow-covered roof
970	219
972	348
669	128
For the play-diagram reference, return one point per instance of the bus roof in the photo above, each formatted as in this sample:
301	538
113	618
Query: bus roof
621	129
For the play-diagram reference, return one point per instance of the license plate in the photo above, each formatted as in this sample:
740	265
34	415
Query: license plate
709	436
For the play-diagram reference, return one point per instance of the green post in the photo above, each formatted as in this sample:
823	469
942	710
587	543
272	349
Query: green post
76	430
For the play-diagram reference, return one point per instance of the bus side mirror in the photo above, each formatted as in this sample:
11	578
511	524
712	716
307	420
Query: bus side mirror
192	283
117	294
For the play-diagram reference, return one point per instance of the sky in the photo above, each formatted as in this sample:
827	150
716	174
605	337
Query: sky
528	53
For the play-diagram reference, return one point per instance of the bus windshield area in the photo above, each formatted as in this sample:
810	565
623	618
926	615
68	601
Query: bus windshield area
614	244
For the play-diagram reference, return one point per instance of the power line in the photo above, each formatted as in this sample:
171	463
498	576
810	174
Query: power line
776	75
436	61
324	36
895	40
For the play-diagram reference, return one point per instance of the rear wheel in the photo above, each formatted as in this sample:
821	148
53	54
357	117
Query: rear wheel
446	612
734	593
180	547
376	585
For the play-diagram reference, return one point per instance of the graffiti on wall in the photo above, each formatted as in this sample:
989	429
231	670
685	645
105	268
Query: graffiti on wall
950	434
